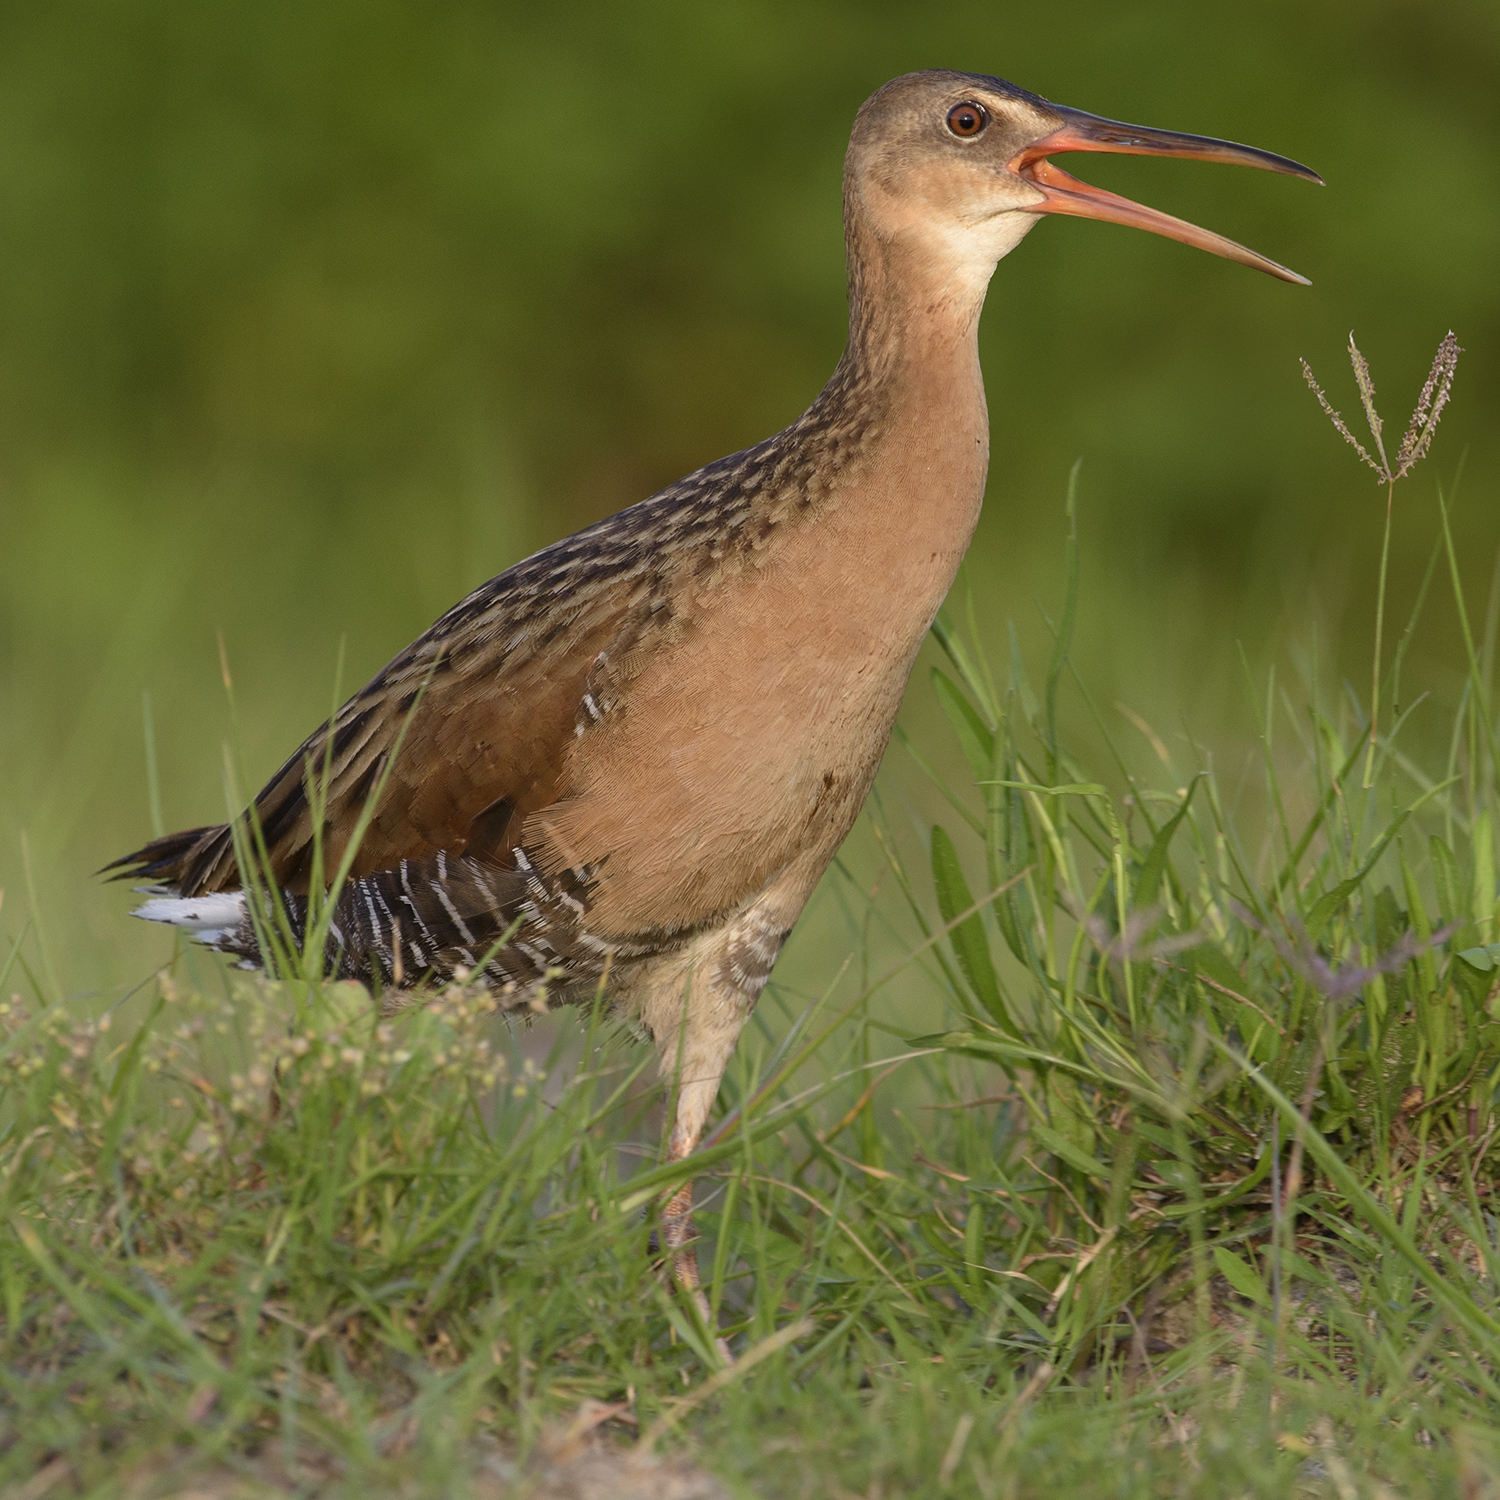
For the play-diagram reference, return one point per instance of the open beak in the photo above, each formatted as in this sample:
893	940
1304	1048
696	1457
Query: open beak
1064	194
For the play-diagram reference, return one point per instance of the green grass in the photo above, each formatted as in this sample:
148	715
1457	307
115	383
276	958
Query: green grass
1191	1191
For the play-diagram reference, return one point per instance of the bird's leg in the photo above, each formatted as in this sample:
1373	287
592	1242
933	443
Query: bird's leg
696	1092
695	1009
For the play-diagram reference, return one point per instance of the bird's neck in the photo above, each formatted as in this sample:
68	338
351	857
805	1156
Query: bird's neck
902	425
910	379
914	301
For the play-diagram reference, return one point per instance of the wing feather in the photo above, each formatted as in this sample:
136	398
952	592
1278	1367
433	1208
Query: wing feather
483	708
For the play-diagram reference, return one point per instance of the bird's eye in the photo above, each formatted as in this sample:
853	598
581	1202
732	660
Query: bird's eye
968	118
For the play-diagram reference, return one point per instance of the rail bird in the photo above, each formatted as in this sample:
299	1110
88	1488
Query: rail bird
629	758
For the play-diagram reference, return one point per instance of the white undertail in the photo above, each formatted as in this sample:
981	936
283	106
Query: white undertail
209	918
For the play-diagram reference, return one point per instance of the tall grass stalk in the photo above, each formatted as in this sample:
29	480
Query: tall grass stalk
1414	446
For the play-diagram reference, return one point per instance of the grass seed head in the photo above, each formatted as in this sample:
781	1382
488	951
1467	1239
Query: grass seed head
1366	383
1429	409
1424	420
1337	419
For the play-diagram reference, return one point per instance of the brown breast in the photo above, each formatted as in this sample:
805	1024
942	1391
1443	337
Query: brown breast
754	738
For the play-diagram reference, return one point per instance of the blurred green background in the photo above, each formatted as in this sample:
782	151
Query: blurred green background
314	316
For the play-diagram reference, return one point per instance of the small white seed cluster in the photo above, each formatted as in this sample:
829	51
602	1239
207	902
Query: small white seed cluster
338	1039
219	1075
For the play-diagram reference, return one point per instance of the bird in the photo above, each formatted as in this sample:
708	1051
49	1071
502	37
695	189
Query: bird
623	764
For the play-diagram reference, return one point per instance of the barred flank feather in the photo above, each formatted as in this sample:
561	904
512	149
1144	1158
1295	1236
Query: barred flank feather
422	920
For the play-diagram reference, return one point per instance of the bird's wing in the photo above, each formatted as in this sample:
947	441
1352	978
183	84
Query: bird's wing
461	735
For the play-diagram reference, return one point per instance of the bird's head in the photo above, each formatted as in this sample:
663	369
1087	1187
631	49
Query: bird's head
956	165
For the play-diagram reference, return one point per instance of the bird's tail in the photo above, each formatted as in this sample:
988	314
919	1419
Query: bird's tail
164	861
